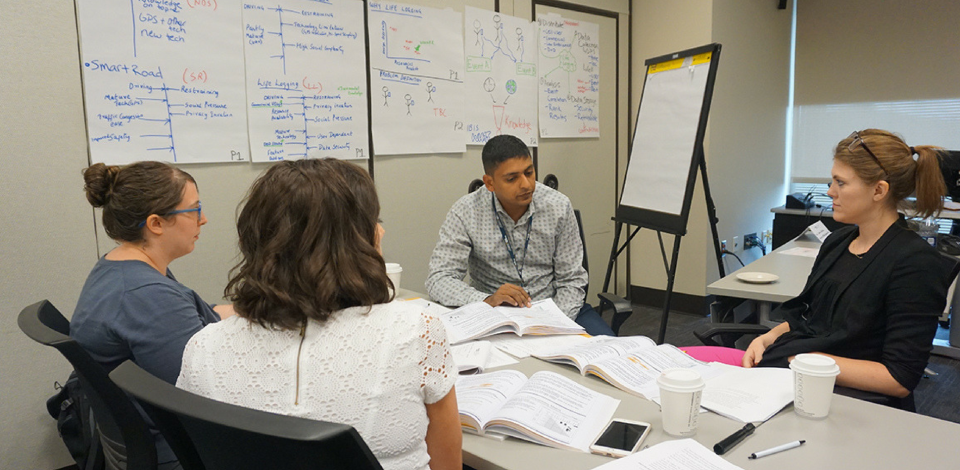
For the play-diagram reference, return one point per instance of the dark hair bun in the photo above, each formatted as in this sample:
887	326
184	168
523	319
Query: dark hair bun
98	183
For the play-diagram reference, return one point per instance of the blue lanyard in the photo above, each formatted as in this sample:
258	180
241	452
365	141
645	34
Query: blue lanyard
506	240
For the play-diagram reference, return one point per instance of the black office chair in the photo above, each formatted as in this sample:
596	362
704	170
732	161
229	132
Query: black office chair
230	437
474	185
621	308
126	440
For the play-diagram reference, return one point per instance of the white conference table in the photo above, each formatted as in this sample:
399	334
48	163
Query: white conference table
792	270
855	435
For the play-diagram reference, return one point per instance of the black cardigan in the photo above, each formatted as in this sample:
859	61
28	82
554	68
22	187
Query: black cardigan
886	312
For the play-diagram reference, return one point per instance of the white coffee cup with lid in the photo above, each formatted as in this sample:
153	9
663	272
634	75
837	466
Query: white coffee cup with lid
393	272
680	392
813	379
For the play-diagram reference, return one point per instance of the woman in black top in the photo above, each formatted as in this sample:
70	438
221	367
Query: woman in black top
876	290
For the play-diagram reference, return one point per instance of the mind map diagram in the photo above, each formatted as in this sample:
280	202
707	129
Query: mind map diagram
500	77
570	79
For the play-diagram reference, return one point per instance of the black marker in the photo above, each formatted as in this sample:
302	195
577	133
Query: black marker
723	446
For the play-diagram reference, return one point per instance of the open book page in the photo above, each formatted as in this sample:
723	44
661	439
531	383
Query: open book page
681	454
666	356
473	321
638	371
480	396
597	349
525	346
749	395
472	357
630	375
542	317
479	319
555	411
499	358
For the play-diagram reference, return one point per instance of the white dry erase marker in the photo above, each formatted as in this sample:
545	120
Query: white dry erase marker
774	450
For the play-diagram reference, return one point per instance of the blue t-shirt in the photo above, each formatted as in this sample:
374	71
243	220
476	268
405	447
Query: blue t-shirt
128	310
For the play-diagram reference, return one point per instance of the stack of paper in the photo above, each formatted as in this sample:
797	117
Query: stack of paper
683	454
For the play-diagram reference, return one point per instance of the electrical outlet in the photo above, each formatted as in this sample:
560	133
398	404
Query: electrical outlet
766	237
750	240
737	246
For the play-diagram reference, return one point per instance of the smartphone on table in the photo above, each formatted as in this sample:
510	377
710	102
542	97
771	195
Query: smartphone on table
621	438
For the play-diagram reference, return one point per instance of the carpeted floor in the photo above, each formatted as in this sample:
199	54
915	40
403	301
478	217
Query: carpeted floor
936	396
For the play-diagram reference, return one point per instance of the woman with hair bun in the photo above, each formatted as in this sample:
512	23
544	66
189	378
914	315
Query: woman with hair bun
317	334
131	306
876	290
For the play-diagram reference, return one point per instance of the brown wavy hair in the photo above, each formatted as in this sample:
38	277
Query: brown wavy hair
308	244
129	194
905	175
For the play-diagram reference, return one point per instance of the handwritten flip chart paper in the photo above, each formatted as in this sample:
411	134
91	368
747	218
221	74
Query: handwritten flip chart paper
569	77
501	77
306	79
163	80
416	78
665	134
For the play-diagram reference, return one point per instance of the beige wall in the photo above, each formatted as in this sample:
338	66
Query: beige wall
745	135
47	243
745	155
661	27
837	44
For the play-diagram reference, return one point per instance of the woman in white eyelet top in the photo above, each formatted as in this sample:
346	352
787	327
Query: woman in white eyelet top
381	366
373	371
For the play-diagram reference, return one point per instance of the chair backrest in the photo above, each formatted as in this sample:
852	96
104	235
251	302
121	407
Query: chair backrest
227	436
474	185
583	241
553	182
127	442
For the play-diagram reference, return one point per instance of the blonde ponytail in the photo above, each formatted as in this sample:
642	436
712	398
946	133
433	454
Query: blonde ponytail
929	181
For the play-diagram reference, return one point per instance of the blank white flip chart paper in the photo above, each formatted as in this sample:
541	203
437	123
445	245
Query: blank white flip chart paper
665	135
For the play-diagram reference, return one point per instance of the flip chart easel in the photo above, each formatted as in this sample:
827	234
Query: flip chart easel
666	153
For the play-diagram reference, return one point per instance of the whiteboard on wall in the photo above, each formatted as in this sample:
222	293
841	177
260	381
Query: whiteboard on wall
416	79
668	140
306	79
569	83
162	81
500	76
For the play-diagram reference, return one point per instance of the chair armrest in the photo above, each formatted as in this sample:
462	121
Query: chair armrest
708	333
622	309
619	304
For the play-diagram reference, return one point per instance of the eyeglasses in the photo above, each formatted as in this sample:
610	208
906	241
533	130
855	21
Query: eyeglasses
197	209
857	140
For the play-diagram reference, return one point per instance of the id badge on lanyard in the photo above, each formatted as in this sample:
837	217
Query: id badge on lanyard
506	240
